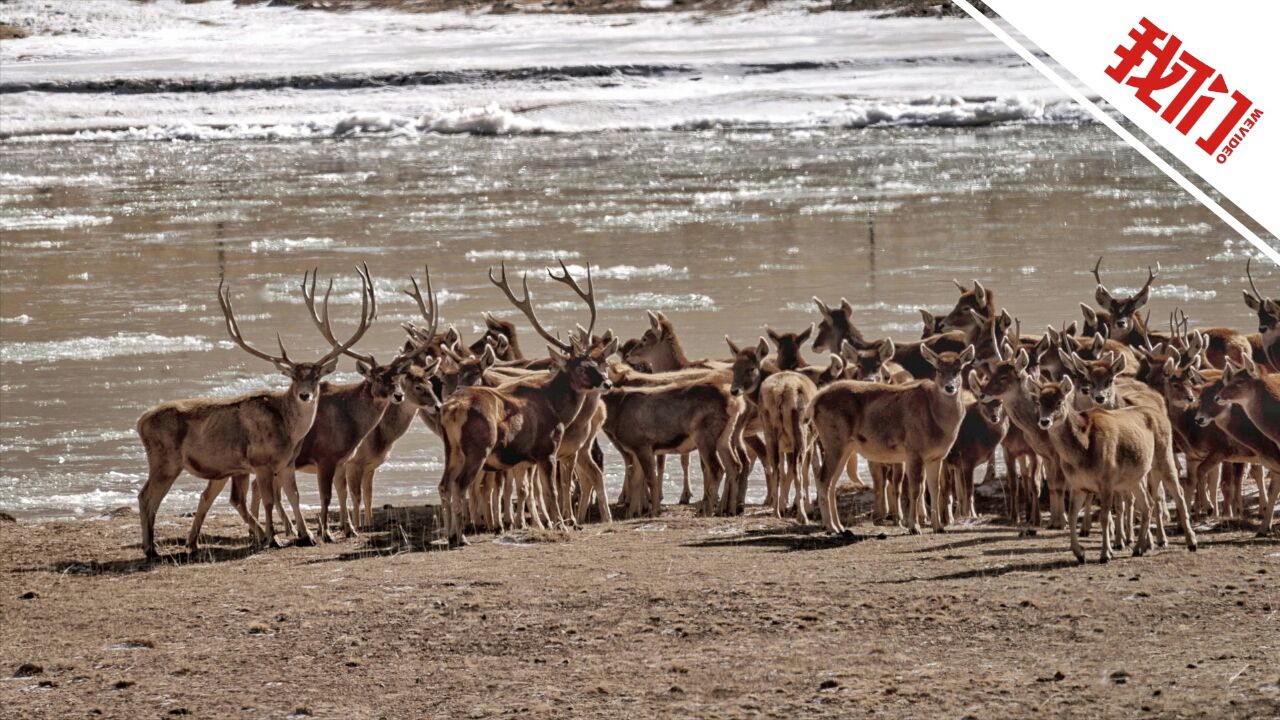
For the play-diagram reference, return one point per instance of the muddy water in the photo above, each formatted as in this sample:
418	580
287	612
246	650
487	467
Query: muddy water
112	253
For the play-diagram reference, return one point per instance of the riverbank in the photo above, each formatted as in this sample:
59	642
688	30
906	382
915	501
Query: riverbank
674	617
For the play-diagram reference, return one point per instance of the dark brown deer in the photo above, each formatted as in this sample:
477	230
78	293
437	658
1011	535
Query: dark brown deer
1266	344
501	429
223	438
1235	420
349	412
981	431
836	326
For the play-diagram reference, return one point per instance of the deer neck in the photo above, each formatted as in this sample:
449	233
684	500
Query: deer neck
397	418
1263	405
948	410
565	399
298	416
1022	410
1071	437
364	410
791	360
673	355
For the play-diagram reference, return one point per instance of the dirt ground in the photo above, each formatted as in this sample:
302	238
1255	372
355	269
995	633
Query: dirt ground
675	617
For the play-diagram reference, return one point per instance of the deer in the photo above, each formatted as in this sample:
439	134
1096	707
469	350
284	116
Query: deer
1257	394
347	413
981	431
1120	316
692	411
1232	417
788	349
1266	344
1207	447
520	424
420	398
1105	452
1008	380
217	439
915	424
784	398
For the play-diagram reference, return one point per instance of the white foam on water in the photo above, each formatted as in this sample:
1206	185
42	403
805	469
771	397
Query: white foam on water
51	222
642	301
1167	230
1172	291
96	348
521	255
16	320
278	244
628	272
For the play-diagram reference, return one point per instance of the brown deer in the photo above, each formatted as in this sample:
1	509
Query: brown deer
974	306
1235	420
916	424
1257	394
1112	451
788	349
1266	346
836	326
347	413
420	398
217	439
506	428
1123	323
981	431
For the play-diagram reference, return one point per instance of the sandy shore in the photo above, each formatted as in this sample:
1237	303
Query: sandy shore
678	617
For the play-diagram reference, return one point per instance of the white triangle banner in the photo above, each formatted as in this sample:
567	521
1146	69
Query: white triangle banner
1196	77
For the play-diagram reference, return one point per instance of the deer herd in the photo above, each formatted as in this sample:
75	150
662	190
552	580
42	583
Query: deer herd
1089	416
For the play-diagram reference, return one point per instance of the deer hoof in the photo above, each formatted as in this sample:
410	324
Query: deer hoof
151	554
306	540
274	542
1192	547
1104	559
913	531
847	534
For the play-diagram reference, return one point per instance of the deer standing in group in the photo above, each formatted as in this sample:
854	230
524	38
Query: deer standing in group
229	438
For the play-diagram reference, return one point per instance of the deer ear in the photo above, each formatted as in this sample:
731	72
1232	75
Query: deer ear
847	350
1103	298
1089	314
1251	301
1228	372
803	337
558	360
1119	364
732	348
1023	360
835	367
1006	320
1065	358
975	387
1271	306
887	350
611	348
362	368
1070	329
1251	367
772	335
654	324
979	291
1170	365
1066	386
930	322
762	349
846	307
929	355
822	307
967	355
973	314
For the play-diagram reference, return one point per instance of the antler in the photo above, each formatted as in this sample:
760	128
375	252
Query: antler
1096	276
368	311
1151	276
429	309
525	306
233	329
589	296
1249	274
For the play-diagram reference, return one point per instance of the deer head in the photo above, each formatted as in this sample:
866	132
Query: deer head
836	325
575	359
746	366
304	377
1121	312
950	367
788	346
1268	310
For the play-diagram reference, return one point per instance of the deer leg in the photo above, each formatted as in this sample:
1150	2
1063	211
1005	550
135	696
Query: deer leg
829	468
1057	489
648	466
285	521
686	493
345	513
288	482
1034	478
1142	499
716	462
160	478
933	480
366	492
1267	498
239	491
324	481
211	492
879	494
1105	498
915	493
1073	520
1166	471
592	478
971	507
350	477
1086	524
508	487
775	495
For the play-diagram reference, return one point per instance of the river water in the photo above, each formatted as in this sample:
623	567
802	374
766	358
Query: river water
113	243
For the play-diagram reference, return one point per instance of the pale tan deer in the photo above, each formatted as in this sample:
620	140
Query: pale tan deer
223	438
915	424
1106	452
784	401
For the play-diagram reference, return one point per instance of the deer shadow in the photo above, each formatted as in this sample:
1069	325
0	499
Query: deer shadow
794	538
1045	566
